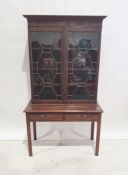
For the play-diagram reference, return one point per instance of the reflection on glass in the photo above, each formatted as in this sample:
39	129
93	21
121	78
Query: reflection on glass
82	57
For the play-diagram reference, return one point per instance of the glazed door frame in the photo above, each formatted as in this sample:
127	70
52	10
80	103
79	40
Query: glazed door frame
46	29
89	30
64	30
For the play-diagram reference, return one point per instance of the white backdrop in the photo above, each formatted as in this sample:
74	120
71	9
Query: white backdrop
14	67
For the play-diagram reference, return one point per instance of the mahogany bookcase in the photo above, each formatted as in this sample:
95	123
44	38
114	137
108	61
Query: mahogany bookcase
64	56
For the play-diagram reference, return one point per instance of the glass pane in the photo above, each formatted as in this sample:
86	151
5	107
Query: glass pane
46	61
47	93
82	58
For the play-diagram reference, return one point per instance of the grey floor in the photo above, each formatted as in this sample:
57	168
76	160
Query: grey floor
68	157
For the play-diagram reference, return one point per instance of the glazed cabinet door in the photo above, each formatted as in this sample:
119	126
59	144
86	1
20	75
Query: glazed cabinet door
82	59
46	62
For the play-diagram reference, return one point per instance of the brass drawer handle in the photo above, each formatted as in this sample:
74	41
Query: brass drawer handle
83	117
45	117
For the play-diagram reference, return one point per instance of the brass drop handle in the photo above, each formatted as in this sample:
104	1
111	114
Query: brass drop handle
83	117
44	116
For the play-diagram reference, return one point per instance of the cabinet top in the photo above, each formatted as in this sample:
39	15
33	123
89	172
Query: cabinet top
63	17
63	108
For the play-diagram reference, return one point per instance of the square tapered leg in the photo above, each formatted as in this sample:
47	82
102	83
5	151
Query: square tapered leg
29	135
92	130
34	131
98	135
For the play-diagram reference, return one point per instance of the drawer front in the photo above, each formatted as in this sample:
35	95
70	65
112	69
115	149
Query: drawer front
81	117
45	117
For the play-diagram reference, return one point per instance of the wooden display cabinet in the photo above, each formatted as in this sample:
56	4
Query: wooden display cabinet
64	66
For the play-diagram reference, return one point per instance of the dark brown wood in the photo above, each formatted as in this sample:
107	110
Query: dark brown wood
98	62
98	135
65	107
46	117
29	135
64	24
62	17
34	131
64	113
92	130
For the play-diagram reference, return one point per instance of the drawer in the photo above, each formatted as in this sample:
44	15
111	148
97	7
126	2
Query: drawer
81	117
45	117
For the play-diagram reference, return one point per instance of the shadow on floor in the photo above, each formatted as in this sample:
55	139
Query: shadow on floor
41	141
